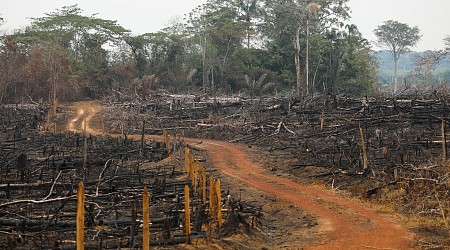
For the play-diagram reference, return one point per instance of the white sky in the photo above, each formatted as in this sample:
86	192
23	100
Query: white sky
142	16
431	16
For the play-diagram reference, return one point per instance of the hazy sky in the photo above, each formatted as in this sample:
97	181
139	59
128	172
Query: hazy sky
141	16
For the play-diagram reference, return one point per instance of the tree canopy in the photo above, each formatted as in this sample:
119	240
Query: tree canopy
398	38
230	46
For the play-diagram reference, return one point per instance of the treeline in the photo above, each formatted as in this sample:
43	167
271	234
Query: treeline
250	47
412	69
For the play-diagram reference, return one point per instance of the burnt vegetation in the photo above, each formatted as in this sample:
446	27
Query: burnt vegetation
299	89
402	166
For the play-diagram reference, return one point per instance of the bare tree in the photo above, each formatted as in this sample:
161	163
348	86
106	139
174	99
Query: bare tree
425	63
311	11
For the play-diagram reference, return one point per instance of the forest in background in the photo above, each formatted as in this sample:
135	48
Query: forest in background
409	69
244	47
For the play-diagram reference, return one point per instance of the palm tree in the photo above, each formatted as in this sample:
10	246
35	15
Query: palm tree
250	9
257	87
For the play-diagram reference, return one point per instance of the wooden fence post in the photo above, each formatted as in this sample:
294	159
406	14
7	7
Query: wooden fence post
363	145
165	135
187	213
211	197
80	216
322	120
219	202
146	220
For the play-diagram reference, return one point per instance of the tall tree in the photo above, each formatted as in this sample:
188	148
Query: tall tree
356	73
324	40
398	38
220	29
139	53
82	37
284	22
311	11
12	79
48	73
251	9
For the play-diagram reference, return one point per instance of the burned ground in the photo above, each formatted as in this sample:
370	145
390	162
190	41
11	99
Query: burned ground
316	141
319	142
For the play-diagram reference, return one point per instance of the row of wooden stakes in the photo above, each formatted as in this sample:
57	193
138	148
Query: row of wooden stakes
197	176
80	217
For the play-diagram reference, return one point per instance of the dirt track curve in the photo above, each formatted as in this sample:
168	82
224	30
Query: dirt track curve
343	223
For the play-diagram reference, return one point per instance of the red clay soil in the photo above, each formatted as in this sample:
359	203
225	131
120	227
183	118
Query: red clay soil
343	223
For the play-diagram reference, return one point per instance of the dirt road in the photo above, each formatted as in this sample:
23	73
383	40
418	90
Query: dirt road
343	223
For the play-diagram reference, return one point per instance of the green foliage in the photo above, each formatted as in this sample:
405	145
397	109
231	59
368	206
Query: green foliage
283	18
332	13
230	46
69	24
81	42
83	37
335	50
220	29
407	67
397	37
358	76
137	45
255	87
